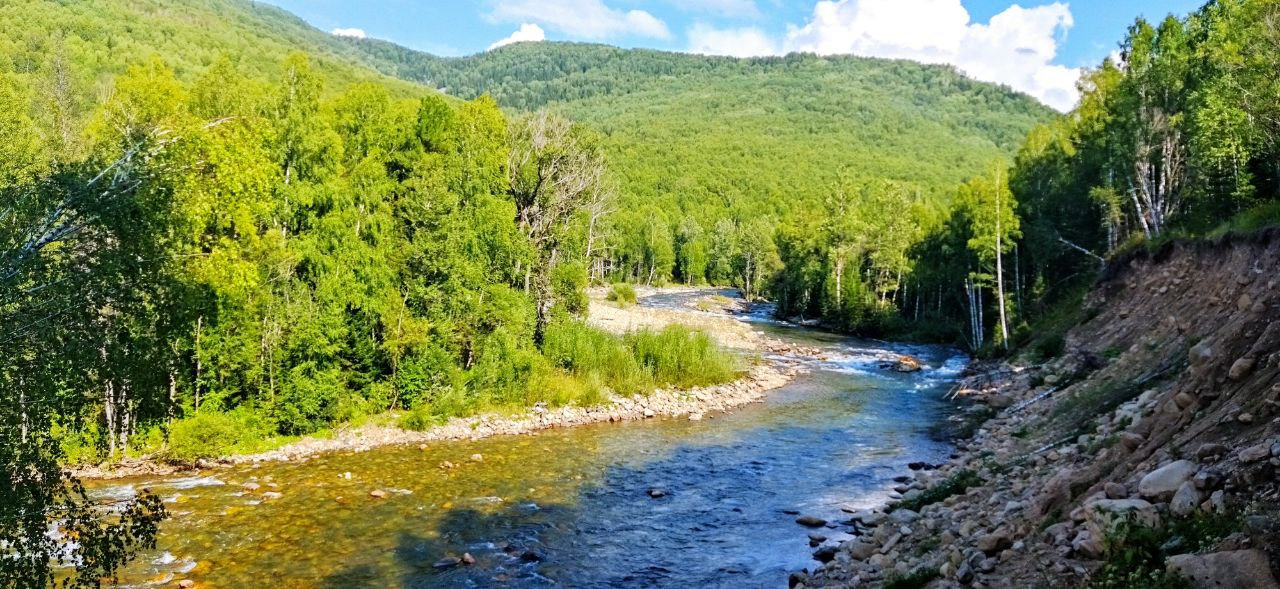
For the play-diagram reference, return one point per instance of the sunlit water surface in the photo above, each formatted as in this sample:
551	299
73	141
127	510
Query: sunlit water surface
571	507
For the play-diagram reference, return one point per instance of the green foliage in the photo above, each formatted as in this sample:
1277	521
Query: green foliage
588	352
955	484
214	435
680	356
622	293
1136	554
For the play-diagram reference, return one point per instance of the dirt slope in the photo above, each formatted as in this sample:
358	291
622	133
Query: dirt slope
1163	409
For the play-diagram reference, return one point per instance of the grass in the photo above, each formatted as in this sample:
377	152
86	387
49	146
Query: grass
956	484
622	293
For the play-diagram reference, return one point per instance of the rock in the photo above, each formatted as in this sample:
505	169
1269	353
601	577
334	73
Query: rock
1210	451
994	542
447	562
1245	418
186	584
272	495
999	401
1200	354
816	537
1115	490
861	550
1186	499
1275	449
1241	368
378	494
467	559
1103	515
920	466
1238	569
1206	479
1255	453
530	556
477	458
656	493
1131	441
907	364
811	521
649	412
904	516
1164	481
1183	400
251	487
825	554
1087	545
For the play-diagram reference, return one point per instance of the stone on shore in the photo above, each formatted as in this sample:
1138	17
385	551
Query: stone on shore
1237	569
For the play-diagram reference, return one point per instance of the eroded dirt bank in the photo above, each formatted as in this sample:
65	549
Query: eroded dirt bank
1161	411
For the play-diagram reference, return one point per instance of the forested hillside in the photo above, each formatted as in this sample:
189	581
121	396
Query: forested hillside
705	147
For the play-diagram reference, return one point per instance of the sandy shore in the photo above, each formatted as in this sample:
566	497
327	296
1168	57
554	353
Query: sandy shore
693	404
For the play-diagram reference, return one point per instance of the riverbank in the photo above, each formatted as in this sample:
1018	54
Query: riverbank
1147	454
771	364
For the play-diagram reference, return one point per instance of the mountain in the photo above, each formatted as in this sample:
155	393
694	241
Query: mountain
694	135
756	135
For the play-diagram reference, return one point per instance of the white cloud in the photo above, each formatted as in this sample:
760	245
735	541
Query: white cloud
726	8
743	42
587	19
527	32
1016	47
353	33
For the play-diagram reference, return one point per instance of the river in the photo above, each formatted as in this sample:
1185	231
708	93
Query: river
571	507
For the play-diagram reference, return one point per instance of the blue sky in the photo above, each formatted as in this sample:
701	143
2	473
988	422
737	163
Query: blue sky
1033	46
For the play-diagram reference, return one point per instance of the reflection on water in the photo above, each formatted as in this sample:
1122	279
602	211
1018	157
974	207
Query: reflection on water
570	507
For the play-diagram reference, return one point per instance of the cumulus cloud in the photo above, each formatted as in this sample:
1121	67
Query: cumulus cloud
586	19
526	32
1017	47
353	33
743	42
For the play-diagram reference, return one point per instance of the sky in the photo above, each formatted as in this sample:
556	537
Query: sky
1037	47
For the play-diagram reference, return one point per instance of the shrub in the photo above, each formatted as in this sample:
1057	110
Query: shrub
1136	554
622	293
209	434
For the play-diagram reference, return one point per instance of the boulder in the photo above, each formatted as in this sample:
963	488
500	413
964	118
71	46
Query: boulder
1087	545
1238	569
447	562
907	364
994	542
1210	451
999	401
1131	441
1200	354
1164	481
1102	516
860	550
1241	368
1255	453
1115	490
1186	499
378	494
811	521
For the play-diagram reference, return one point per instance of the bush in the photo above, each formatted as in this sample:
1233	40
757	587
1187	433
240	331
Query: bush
914	580
210	434
1136	554
622	293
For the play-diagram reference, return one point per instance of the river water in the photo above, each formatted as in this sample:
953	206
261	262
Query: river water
571	507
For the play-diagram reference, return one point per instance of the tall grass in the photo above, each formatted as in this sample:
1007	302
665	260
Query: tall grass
680	356
622	293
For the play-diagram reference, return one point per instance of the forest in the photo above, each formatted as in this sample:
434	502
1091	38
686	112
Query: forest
207	247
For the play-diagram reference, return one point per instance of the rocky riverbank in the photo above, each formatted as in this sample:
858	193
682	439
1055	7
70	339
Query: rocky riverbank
1146	455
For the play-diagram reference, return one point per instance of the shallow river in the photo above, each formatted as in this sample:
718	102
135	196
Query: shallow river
571	507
